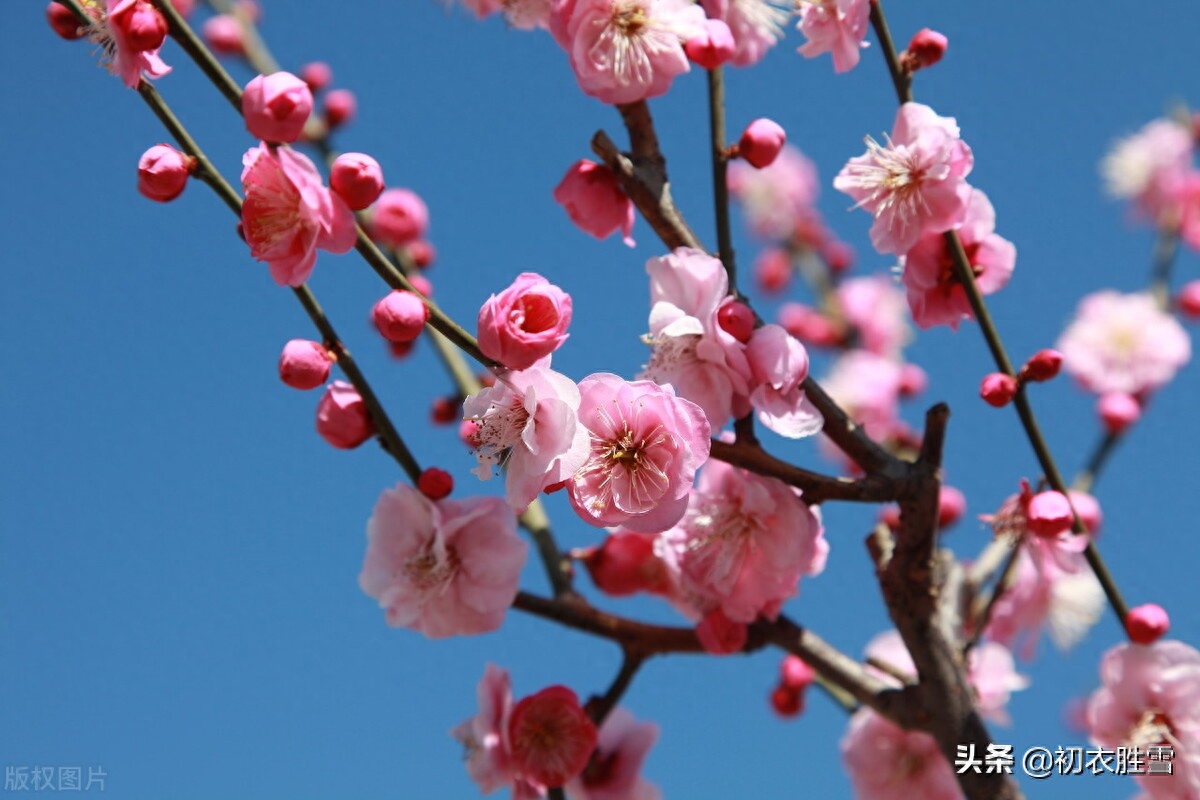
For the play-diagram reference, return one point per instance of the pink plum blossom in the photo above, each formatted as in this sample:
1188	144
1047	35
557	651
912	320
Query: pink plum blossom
836	27
916	184
130	33
1123	343
1150	166
646	445
442	568
886	762
595	201
935	295
692	352
551	736
1150	698
614	773
779	366
875	307
867	387
757	25
485	739
524	323
744	542
527	422
288	213
775	198
623	51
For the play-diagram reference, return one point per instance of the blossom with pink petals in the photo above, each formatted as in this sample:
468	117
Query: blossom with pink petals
775	198
551	736
1150	166
646	445
779	366
867	387
886	762
836	27
485	739
935	295
595	201
130	33
874	305
757	25
288	213
527	422
524	323
916	184
444	568
1151	698
1123	343
614	773
623	51
744	542
276	106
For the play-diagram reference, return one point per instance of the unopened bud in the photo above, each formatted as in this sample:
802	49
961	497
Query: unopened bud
998	389
342	418
435	483
1049	514
276	106
64	22
163	172
340	107
1147	624
761	142
224	35
304	364
925	49
1042	366
737	320
1188	300
357	178
317	75
1118	410
400	316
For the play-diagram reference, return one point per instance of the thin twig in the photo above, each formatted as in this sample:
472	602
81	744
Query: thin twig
716	121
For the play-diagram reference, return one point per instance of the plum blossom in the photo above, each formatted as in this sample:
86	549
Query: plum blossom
646	445
779	366
756	25
1150	698
551	736
524	323
288	213
1150	166
623	51
744	542
130	33
886	762
935	295
614	773
527	422
916	184
875	307
595	201
867	386
444	568
1123	343
485	739
836	27
775	198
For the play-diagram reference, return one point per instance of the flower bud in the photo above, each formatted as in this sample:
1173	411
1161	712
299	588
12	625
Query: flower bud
435	483
357	178
422	254
773	270
913	380
926	49
445	410
64	22
142	26
890	516
183	7
719	635
712	46
761	142
550	736
400	316
838	255
737	320
342	418
1146	624
998	389
1042	366
952	503
795	673
163	172
1118	410
421	284
1188	300
317	74
1049	514
399	217
595	201
340	107
525	322
304	364
224	35
787	702
1087	509
276	106
626	564
809	325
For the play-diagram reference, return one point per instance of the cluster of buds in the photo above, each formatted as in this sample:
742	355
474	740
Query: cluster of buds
998	388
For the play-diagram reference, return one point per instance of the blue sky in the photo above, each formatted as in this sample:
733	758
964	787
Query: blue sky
179	550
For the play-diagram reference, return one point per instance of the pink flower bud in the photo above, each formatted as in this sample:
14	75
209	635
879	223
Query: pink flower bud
304	364
525	322
773	270
595	201
1049	514
64	22
1042	366
787	702
445	410
422	253
276	106
400	316
141	26
838	255
357	178
952	503
761	142
399	217
342	418
340	107
913	380
1188	300
737	320
422	285
998	389
317	74
626	564
809	325
795	673
184	7
163	172
719	635
435	483
550	736
926	49
1147	624
224	35
1118	410
712	46
401	350
1087	509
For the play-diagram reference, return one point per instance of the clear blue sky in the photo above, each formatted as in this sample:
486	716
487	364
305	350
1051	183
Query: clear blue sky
179	550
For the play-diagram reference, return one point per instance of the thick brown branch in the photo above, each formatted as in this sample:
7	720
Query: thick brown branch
816	487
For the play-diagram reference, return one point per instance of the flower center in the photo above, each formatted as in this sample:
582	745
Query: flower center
429	571
1152	729
630	18
670	354
720	538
